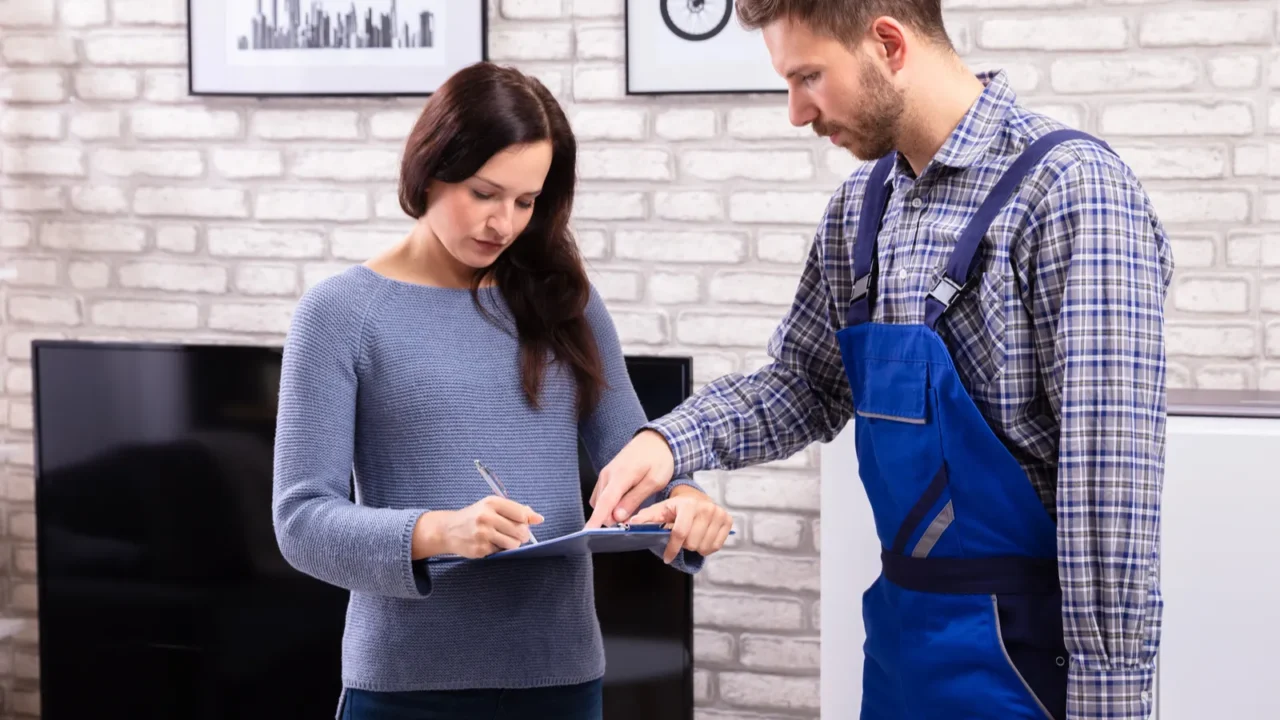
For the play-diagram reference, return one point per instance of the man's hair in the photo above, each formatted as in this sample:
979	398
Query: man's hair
847	20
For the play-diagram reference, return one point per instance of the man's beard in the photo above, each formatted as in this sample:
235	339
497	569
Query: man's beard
873	131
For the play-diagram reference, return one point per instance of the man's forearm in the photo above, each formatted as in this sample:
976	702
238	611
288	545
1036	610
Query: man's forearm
802	396
741	420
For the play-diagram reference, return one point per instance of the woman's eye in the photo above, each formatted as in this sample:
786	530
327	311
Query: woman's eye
480	196
526	204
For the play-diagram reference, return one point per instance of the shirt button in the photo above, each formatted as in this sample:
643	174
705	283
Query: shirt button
1145	696
917	203
902	274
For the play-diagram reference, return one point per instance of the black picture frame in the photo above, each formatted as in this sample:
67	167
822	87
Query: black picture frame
733	61
268	82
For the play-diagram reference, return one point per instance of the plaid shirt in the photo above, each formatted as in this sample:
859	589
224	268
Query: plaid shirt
1060	343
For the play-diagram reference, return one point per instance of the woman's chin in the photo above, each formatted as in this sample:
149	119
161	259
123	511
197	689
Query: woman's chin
481	254
476	261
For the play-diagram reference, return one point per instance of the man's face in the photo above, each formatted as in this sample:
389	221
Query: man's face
842	93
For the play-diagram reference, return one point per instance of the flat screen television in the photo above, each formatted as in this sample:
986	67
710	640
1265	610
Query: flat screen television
162	591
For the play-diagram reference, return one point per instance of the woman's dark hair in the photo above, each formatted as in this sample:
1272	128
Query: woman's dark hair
478	112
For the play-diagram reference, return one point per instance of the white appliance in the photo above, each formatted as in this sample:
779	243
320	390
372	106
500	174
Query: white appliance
1220	561
1221	558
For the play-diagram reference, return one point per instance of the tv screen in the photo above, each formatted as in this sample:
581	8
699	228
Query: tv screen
162	592
645	607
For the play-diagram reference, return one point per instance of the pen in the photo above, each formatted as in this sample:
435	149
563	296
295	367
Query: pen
498	488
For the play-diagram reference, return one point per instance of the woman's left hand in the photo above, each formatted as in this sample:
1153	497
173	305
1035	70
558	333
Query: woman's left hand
696	522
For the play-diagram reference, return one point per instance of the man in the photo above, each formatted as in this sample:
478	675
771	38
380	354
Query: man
986	303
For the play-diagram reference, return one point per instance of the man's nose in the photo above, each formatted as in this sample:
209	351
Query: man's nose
800	111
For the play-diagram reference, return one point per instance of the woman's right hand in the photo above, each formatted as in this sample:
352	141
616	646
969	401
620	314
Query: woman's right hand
483	528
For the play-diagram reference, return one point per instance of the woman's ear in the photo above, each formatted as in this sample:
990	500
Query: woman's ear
431	189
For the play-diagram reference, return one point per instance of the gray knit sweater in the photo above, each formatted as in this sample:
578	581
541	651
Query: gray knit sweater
407	385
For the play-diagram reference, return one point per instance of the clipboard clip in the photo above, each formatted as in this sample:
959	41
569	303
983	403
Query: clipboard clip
641	527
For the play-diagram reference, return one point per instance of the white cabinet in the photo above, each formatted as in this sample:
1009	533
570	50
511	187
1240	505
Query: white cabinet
1220	564
1221	558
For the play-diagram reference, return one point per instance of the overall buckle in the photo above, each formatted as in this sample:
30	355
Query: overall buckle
946	291
860	287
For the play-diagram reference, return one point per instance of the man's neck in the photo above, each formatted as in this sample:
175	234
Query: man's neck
946	91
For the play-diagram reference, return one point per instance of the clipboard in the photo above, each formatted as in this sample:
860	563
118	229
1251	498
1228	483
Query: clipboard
621	538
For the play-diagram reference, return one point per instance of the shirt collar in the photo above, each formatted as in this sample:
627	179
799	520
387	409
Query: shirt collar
977	129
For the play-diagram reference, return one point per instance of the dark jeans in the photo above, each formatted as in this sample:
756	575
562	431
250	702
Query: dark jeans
566	702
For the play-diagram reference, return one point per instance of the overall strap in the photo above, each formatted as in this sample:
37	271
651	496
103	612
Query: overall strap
874	200
956	276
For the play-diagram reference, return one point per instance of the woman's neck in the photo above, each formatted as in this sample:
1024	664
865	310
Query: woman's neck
425	253
422	259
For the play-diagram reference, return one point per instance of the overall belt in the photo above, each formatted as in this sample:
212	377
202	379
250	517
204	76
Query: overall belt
989	576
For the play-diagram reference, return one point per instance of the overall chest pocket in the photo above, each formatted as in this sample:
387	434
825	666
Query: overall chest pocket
899	446
894	390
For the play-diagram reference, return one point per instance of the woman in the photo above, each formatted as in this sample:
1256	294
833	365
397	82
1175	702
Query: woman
476	337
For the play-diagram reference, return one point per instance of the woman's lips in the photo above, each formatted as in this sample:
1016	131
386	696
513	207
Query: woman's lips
488	249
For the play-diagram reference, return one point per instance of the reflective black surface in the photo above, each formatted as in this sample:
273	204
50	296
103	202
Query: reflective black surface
645	607
162	590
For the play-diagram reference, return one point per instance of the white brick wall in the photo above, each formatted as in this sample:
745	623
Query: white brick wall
131	210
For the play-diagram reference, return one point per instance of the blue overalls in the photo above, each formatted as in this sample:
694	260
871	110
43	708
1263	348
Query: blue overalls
965	619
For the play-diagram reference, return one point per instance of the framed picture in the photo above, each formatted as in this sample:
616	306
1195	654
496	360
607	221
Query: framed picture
331	47
694	46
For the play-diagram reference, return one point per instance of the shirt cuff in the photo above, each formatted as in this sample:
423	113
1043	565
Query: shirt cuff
682	430
666	491
1114	694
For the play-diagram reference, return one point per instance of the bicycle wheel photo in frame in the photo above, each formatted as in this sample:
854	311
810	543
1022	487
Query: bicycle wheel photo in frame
696	19
694	46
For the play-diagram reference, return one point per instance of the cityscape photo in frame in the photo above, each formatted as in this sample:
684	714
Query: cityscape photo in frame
694	46
331	47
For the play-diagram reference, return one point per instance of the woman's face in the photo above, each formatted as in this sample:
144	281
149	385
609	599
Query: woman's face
478	218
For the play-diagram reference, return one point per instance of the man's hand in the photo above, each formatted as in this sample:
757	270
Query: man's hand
641	469
697	523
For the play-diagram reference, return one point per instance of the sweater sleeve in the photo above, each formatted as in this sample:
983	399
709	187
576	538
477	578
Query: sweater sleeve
619	415
320	530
